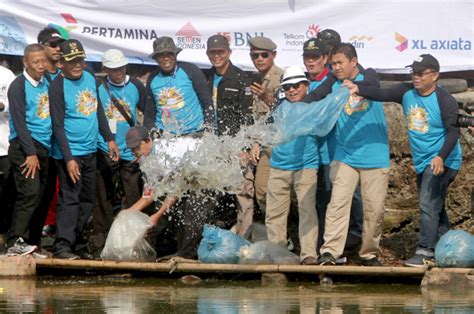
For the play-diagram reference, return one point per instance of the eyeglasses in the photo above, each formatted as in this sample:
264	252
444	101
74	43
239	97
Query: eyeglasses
287	87
255	55
420	74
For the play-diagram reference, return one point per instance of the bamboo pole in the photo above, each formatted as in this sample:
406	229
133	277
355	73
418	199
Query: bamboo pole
173	266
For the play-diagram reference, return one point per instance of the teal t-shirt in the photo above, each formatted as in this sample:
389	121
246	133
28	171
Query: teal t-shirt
361	139
426	131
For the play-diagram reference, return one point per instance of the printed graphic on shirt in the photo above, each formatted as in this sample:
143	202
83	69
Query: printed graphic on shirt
86	102
417	119
171	98
42	110
113	113
356	104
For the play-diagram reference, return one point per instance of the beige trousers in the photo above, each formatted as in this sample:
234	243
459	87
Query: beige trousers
280	185
261	178
374	183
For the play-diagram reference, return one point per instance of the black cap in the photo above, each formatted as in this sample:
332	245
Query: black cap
217	42
72	49
330	38
49	34
314	47
423	62
135	135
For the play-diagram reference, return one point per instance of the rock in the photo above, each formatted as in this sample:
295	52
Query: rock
453	85
274	279
190	280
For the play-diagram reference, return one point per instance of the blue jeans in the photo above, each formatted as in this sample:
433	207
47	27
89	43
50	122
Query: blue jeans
434	220
323	196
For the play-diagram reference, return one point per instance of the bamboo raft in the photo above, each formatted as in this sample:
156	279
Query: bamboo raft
28	266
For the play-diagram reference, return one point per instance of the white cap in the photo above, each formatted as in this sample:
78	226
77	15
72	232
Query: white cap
113	58
292	75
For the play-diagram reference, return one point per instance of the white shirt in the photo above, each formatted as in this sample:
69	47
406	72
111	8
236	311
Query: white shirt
6	78
170	152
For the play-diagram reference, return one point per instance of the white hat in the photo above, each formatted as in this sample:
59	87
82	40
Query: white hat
113	58
292	75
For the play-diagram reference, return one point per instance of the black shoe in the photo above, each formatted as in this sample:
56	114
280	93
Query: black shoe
309	260
371	262
327	259
83	254
66	255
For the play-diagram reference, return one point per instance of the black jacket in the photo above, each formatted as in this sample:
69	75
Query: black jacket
234	101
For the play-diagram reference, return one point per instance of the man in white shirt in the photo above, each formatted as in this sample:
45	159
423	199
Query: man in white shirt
181	232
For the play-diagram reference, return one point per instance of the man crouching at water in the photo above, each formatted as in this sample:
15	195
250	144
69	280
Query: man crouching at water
180	233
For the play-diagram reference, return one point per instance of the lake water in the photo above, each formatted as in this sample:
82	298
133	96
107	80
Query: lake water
117	294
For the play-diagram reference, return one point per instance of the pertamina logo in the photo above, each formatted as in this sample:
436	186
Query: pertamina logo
189	38
359	41
458	43
65	29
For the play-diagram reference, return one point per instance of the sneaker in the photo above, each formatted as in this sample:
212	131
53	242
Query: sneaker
66	255
371	262
309	260
21	248
327	259
419	260
341	261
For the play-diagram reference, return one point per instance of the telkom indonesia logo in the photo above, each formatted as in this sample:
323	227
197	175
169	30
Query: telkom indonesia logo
312	31
403	42
65	30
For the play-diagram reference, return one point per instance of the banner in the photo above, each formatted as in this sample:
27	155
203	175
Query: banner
388	35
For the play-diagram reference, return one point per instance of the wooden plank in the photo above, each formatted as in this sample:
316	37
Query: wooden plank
17	266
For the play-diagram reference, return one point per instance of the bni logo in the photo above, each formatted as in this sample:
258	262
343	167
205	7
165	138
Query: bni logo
403	42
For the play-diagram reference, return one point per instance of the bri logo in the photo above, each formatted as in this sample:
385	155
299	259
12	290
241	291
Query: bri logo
403	42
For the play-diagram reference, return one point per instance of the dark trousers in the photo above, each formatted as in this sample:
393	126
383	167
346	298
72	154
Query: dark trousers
179	231
75	204
323	197
48	194
109	173
7	194
434	221
27	213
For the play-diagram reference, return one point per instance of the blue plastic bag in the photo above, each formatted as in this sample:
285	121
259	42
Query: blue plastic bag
220	246
455	249
292	120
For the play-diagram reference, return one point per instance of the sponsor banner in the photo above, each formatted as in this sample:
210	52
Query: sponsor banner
388	35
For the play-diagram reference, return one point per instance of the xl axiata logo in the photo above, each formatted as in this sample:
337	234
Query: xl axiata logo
458	43
403	42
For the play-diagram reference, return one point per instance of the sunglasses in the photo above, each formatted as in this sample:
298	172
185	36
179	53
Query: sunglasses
287	87
53	44
264	55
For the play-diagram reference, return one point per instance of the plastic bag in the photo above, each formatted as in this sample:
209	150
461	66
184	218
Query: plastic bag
266	252
220	246
292	120
126	239
455	249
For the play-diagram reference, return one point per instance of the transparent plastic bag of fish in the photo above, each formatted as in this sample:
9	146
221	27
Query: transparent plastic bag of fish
292	120
266	252
126	239
220	246
455	249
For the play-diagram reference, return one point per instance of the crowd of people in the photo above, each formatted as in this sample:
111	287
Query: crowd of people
71	129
